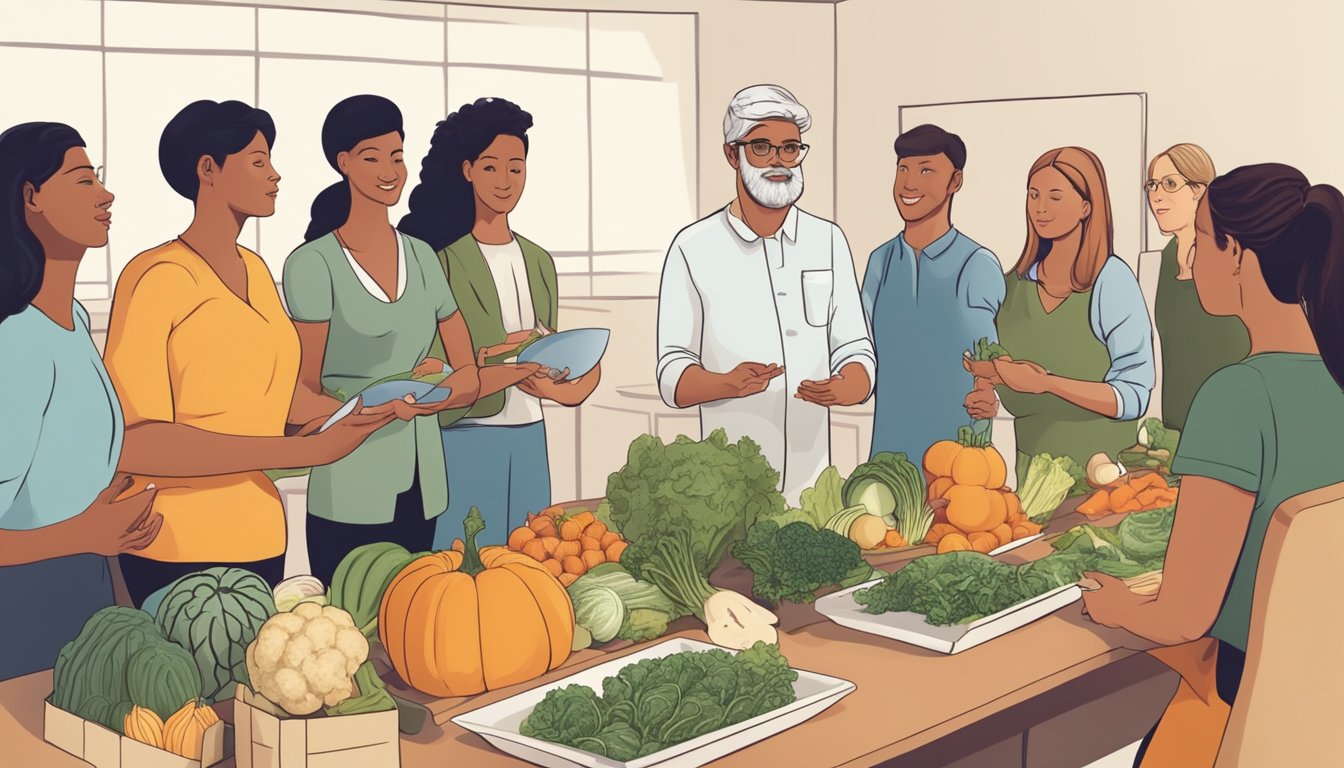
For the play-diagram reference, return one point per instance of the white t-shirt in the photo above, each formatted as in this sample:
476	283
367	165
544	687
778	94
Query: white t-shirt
515	304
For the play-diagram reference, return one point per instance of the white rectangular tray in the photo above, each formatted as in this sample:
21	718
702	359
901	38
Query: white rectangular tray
498	723
910	627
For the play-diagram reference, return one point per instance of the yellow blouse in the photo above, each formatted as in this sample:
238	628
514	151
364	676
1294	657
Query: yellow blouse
183	348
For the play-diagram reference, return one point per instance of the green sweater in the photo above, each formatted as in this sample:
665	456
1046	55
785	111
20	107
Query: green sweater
478	301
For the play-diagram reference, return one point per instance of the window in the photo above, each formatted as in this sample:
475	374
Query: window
612	167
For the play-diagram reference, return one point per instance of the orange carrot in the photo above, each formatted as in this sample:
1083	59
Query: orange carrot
1098	504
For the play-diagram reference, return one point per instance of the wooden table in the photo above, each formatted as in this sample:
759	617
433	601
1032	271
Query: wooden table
984	706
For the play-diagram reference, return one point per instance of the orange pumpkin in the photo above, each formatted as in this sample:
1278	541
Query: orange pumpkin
459	624
968	460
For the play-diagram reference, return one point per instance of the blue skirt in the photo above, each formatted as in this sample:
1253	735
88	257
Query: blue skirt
501	470
45	605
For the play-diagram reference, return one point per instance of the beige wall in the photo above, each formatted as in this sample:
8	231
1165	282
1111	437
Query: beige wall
1249	81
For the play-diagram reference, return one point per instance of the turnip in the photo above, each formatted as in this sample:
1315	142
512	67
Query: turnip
734	621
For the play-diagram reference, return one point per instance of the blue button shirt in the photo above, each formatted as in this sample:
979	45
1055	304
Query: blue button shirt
62	423
925	311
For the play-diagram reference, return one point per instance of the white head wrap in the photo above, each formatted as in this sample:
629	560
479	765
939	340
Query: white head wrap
762	102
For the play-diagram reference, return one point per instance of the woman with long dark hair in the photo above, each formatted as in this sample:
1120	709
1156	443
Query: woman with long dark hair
1269	249
471	180
60	515
1074	320
206	363
368	302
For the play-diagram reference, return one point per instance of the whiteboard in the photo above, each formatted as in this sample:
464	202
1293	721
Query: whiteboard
1004	137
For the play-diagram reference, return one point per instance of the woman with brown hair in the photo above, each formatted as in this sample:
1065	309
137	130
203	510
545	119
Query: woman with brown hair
1194	342
1270	251
1073	319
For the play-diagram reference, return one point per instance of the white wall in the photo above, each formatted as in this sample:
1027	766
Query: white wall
1249	81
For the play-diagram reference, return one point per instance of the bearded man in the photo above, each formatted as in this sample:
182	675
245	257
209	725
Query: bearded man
760	324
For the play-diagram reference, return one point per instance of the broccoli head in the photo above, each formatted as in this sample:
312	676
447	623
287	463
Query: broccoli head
792	562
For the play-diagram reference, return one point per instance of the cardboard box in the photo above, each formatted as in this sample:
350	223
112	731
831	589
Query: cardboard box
105	748
264	740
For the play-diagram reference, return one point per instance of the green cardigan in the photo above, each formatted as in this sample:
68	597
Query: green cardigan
478	301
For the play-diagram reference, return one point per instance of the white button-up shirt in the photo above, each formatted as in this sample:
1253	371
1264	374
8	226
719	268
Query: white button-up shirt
729	296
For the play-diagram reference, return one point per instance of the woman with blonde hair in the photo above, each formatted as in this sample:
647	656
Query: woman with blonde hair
1073	320
1195	344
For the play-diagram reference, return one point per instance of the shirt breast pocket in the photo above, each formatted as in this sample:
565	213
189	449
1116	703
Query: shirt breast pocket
817	286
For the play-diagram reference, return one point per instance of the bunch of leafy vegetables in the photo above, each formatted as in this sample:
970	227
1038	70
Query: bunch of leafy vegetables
610	603
794	561
892	487
1049	481
683	505
818	504
960	587
658	703
985	350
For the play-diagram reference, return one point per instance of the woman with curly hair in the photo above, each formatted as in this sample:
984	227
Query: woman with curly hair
505	285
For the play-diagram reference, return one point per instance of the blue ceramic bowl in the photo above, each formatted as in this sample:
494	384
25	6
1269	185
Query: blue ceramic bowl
378	394
579	350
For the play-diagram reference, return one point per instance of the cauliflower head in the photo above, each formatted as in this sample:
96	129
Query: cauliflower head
305	659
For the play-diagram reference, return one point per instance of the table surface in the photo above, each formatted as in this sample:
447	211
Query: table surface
906	697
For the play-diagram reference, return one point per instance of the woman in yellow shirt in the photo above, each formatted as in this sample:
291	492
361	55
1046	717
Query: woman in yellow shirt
205	361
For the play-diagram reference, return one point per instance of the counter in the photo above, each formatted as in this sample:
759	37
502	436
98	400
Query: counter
1061	691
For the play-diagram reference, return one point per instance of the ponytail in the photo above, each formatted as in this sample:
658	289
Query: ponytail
1321	280
330	210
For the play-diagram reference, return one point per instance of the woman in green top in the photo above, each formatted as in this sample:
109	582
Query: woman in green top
1075	311
471	181
1269	249
369	302
1194	343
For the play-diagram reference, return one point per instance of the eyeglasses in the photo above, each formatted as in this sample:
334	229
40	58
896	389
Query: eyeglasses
100	175
790	152
1168	184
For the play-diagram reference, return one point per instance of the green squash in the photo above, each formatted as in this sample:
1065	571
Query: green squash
215	614
163	677
362	577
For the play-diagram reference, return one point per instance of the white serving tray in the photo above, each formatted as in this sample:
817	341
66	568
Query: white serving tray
1010	546
910	627
498	723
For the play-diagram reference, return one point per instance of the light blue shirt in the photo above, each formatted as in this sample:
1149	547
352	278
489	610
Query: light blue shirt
925	311
63	422
1119	319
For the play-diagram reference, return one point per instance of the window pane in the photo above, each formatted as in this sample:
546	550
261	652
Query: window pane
69	22
554	209
351	34
516	37
658	45
643	169
160	25
299	94
148	211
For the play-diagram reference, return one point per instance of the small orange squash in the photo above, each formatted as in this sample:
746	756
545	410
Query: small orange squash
144	725
184	730
459	624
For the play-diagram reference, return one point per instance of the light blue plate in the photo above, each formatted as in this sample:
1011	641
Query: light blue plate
378	394
579	350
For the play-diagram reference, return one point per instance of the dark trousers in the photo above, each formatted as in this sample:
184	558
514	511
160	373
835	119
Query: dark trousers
329	542
1228	667
144	577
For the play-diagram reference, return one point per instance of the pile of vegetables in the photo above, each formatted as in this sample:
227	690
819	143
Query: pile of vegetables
152	678
791	563
682	506
981	514
460	623
1130	493
960	587
1049	481
567	545
654	704
891	488
609	603
1156	446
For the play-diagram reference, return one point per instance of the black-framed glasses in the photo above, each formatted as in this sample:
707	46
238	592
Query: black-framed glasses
789	152
1168	184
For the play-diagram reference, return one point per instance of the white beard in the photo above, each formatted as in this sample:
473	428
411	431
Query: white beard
771	194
